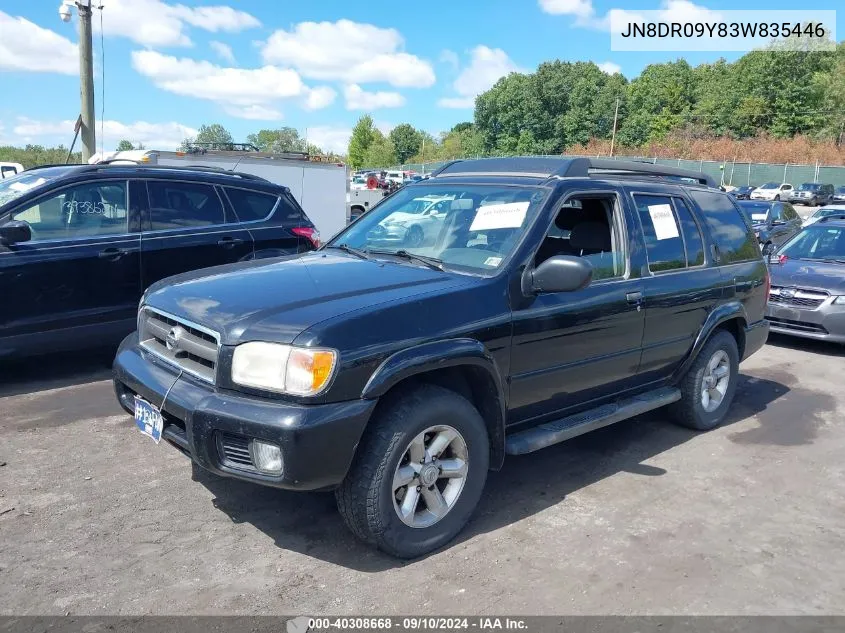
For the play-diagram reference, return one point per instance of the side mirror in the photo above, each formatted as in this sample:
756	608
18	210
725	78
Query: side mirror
15	231
768	251
561	273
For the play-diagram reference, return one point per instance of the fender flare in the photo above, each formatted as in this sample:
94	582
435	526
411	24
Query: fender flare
725	312
443	354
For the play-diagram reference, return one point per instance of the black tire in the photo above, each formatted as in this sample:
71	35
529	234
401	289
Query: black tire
365	498
416	236
689	411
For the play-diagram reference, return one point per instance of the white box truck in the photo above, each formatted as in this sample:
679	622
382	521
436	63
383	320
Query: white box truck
319	187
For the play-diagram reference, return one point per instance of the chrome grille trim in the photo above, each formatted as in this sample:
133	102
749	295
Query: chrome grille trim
198	347
799	297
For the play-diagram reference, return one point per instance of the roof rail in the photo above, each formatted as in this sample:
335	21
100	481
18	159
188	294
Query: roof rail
47	166
200	168
612	167
443	167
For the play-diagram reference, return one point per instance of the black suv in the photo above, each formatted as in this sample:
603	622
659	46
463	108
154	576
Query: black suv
812	193
80	243
559	295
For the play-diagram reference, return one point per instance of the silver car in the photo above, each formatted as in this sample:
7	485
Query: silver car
807	296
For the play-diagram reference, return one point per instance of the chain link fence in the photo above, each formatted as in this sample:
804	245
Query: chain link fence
728	173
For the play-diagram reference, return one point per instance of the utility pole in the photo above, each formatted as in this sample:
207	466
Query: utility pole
86	73
615	119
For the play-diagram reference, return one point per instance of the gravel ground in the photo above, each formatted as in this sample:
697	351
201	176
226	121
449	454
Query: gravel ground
638	518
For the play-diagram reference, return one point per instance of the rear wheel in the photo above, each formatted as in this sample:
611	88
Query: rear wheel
418	473
709	386
415	236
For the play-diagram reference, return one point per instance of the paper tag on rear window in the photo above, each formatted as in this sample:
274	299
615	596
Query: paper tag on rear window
663	220
509	215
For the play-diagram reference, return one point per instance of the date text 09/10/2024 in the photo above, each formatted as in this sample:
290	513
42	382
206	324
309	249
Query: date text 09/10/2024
303	624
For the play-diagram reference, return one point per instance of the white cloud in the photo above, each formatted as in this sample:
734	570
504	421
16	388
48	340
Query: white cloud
487	66
231	86
224	51
610	68
585	15
156	23
319	97
254	113
25	46
330	138
359	99
152	135
348	51
450	58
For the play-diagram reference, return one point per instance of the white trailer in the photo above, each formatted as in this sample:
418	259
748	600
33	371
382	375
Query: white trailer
319	187
7	170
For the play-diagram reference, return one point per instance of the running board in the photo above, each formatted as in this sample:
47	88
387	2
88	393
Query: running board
544	435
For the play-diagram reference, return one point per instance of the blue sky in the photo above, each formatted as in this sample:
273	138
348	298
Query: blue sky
316	65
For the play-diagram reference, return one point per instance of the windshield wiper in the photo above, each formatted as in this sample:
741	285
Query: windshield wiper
431	262
346	248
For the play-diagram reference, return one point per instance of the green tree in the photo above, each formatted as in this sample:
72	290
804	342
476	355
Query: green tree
34	155
362	137
285	139
406	141
380	152
213	136
125	146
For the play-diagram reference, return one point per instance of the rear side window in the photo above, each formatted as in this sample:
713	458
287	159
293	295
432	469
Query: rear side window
732	235
178	205
251	205
692	234
289	209
789	212
664	244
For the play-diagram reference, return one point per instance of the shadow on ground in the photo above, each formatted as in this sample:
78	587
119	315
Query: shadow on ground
54	371
806	345
310	524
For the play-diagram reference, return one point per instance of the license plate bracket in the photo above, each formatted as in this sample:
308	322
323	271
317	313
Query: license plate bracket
148	419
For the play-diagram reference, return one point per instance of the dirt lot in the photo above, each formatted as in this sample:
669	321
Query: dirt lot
639	518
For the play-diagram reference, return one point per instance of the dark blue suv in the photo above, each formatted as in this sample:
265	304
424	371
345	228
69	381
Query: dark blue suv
80	243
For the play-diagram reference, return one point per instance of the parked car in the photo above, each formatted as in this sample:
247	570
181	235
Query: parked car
741	193
823	212
771	191
561	295
807	297
839	194
773	222
413	224
79	244
812	193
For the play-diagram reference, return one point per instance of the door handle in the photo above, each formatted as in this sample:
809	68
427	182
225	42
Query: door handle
112	253
229	242
634	297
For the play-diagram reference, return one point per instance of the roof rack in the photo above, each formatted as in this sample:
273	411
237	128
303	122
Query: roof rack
200	168
568	167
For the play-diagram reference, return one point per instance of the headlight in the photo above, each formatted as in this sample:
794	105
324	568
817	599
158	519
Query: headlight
299	371
840	301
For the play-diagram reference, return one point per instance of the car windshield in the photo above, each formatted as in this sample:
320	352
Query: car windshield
809	186
12	188
468	228
817	242
823	212
770	185
757	211
840	190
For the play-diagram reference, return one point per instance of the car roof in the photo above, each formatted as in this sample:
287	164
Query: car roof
207	175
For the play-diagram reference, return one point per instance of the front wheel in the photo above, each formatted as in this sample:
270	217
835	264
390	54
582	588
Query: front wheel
418	473
777	198
709	386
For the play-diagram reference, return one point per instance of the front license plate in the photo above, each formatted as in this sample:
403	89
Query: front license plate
148	419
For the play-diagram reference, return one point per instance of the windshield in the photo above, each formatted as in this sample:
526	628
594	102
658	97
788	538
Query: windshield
817	242
770	185
809	186
12	188
470	228
757	211
823	212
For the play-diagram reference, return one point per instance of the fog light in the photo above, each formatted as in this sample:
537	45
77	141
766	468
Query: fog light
267	457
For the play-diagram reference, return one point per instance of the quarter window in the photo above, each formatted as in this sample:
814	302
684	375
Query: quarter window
178	205
251	205
789	212
79	211
664	244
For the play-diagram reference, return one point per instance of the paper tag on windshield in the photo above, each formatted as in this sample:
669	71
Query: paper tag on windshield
510	215
758	216
663	220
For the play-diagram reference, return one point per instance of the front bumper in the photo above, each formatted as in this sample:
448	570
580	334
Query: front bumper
318	442
825	323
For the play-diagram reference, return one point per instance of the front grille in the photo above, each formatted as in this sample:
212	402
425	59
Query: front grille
181	343
234	451
797	326
797	297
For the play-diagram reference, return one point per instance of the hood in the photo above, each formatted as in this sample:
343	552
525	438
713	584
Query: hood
276	301
808	274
